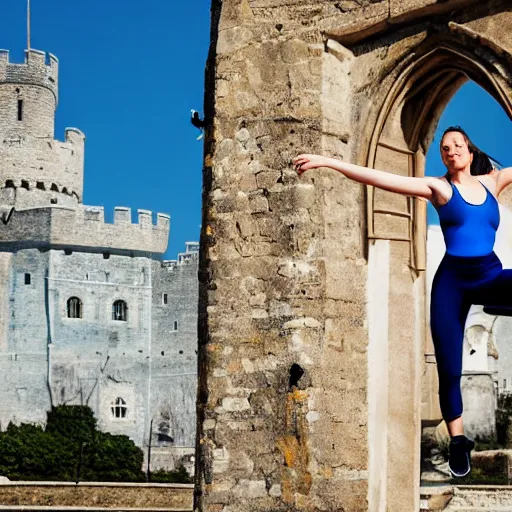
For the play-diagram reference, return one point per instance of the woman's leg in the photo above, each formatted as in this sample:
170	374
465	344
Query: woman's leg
449	309
448	312
496	292
455	427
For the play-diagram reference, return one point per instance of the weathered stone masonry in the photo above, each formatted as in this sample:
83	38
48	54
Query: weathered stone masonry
318	271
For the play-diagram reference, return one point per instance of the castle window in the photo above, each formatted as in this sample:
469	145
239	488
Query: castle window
175	325
27	278
74	307
24	184
164	298
40	185
9	184
119	408
20	110
119	310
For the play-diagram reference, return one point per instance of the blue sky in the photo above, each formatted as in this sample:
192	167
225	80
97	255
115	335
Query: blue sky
131	71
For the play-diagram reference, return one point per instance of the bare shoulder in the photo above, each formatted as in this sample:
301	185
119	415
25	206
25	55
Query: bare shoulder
441	189
490	181
503	179
437	181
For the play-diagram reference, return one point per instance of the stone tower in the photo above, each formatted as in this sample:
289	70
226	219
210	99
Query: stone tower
31	159
320	272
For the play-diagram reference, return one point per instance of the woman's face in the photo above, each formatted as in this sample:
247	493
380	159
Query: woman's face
455	152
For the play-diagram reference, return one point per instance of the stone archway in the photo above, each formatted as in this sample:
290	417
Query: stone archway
310	352
396	230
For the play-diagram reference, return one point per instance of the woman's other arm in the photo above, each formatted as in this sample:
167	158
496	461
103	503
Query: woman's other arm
503	179
426	188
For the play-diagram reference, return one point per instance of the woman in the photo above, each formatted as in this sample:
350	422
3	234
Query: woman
470	273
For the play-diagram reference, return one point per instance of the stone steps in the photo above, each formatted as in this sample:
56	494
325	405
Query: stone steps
488	498
480	509
484	497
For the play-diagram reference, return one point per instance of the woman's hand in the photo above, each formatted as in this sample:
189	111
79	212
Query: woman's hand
305	162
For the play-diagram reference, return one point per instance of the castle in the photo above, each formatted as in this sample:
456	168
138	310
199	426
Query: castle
89	313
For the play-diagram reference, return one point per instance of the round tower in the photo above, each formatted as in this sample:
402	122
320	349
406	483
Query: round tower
35	169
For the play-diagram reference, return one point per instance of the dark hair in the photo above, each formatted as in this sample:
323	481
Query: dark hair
482	163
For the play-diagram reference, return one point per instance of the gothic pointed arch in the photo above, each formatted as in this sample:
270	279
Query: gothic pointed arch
419	90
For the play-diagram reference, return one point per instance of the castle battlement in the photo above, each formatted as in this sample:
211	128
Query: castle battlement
123	216
39	68
84	227
43	164
74	135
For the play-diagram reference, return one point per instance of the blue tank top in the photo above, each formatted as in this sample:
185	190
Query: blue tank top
469	229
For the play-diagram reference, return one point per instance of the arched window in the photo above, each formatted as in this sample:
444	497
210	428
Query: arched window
74	307
119	310
119	408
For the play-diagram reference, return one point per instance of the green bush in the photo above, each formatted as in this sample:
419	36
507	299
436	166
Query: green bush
70	448
74	422
112	458
178	476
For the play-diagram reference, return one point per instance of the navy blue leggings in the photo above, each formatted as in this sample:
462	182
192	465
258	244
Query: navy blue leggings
460	282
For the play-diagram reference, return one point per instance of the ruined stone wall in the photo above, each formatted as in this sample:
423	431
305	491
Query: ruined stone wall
319	272
268	303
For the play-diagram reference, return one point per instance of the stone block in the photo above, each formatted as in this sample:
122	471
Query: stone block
235	404
409	10
250	489
353	20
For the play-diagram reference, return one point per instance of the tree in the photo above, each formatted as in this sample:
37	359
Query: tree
70	445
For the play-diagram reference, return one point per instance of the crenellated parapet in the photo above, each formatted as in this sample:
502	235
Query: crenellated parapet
84	228
34	164
39	68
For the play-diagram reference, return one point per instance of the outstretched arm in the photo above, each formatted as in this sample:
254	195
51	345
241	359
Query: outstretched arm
410	186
